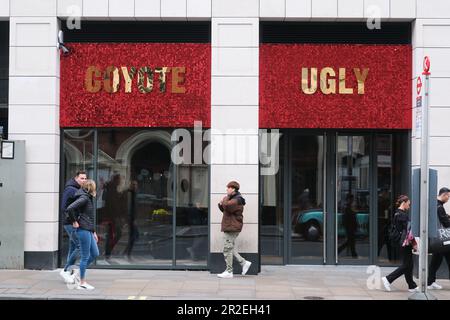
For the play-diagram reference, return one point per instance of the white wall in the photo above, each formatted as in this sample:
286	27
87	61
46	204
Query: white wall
234	116
180	10
340	10
431	38
34	115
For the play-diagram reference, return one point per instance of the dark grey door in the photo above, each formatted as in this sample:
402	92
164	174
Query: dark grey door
12	209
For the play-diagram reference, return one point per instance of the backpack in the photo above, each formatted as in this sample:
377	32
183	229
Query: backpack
395	235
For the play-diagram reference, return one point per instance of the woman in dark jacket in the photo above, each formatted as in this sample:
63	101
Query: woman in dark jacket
81	213
401	221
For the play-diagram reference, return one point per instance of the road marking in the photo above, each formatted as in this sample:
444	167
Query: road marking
137	297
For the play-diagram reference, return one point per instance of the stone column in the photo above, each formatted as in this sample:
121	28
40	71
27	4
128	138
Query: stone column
234	122
34	117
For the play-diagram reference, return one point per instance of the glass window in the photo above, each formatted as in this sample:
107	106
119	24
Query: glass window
192	200
353	198
136	196
78	155
307	217
192	214
272	208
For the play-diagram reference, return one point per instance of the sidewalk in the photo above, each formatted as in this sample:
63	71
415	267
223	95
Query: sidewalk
273	283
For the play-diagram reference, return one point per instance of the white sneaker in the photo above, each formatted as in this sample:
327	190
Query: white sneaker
225	274
66	276
85	286
434	286
416	289
245	267
386	284
76	276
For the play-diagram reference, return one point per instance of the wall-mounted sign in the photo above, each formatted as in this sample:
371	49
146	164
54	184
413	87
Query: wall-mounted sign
329	78
419	85
335	86
418	118
7	149
136	85
113	78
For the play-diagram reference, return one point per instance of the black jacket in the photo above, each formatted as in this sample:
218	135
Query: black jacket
444	219
68	197
401	220
82	210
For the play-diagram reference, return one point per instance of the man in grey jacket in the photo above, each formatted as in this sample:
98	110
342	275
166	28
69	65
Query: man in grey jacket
436	258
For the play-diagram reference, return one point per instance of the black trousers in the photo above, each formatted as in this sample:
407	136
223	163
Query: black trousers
405	269
350	242
436	260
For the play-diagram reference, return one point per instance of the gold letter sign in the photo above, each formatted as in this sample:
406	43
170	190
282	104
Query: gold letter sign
115	79
328	80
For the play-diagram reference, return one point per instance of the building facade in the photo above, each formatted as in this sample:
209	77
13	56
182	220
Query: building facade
316	86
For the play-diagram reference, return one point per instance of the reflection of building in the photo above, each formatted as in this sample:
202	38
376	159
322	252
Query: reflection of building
335	144
135	205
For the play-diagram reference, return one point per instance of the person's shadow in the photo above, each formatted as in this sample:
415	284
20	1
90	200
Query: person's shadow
350	224
112	213
133	231
198	221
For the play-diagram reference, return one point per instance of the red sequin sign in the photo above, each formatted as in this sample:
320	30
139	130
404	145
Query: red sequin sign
91	102
380	99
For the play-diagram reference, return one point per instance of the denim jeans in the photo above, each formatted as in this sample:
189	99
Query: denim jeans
88	248
74	246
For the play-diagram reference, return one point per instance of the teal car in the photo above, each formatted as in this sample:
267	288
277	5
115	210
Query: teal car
309	223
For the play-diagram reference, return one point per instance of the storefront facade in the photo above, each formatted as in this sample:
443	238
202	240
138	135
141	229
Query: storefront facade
338	91
344	146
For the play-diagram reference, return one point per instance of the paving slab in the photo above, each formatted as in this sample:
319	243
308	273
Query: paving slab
273	283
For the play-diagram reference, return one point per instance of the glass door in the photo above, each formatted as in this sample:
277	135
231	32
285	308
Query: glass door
352	232
332	200
307	202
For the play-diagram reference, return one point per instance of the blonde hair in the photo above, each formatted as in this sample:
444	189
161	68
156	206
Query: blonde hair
90	186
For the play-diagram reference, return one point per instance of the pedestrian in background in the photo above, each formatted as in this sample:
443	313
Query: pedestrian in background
407	244
436	258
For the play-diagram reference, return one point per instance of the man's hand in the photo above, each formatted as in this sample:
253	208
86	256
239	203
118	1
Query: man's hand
75	224
95	237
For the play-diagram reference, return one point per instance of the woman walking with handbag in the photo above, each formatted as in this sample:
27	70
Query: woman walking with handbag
81	214
407	245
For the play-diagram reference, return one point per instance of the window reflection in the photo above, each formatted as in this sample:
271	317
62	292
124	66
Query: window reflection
307	198
136	199
353	197
192	214
272	210
78	155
